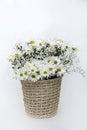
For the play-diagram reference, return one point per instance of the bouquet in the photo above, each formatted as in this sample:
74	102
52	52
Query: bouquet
43	59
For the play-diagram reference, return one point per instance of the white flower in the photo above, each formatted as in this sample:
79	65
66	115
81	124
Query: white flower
40	44
20	74
51	70
44	71
52	60
31	42
32	69
31	45
25	73
56	62
33	77
48	69
60	71
48	60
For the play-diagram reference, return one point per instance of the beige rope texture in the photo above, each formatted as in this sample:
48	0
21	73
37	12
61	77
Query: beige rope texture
41	98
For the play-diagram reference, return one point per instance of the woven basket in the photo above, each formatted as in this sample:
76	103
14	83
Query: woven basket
41	98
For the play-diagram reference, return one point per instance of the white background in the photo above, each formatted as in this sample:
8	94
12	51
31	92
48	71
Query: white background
21	20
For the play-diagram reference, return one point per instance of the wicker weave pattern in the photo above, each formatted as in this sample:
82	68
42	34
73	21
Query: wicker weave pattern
41	98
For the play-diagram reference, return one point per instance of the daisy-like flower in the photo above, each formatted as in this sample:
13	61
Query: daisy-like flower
28	51
31	42
51	70
45	71
39	44
25	73
55	61
47	60
20	74
32	69
33	77
60	71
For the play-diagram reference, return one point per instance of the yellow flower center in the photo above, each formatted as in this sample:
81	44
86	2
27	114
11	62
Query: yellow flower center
55	62
21	74
32	70
49	61
16	55
40	44
45	72
31	42
50	69
59	70
25	73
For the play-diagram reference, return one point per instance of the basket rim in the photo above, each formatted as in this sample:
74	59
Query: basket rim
41	81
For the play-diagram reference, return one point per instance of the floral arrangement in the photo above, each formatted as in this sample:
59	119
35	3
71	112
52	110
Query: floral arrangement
42	59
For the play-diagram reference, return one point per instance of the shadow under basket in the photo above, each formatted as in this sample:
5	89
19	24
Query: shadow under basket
41	98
